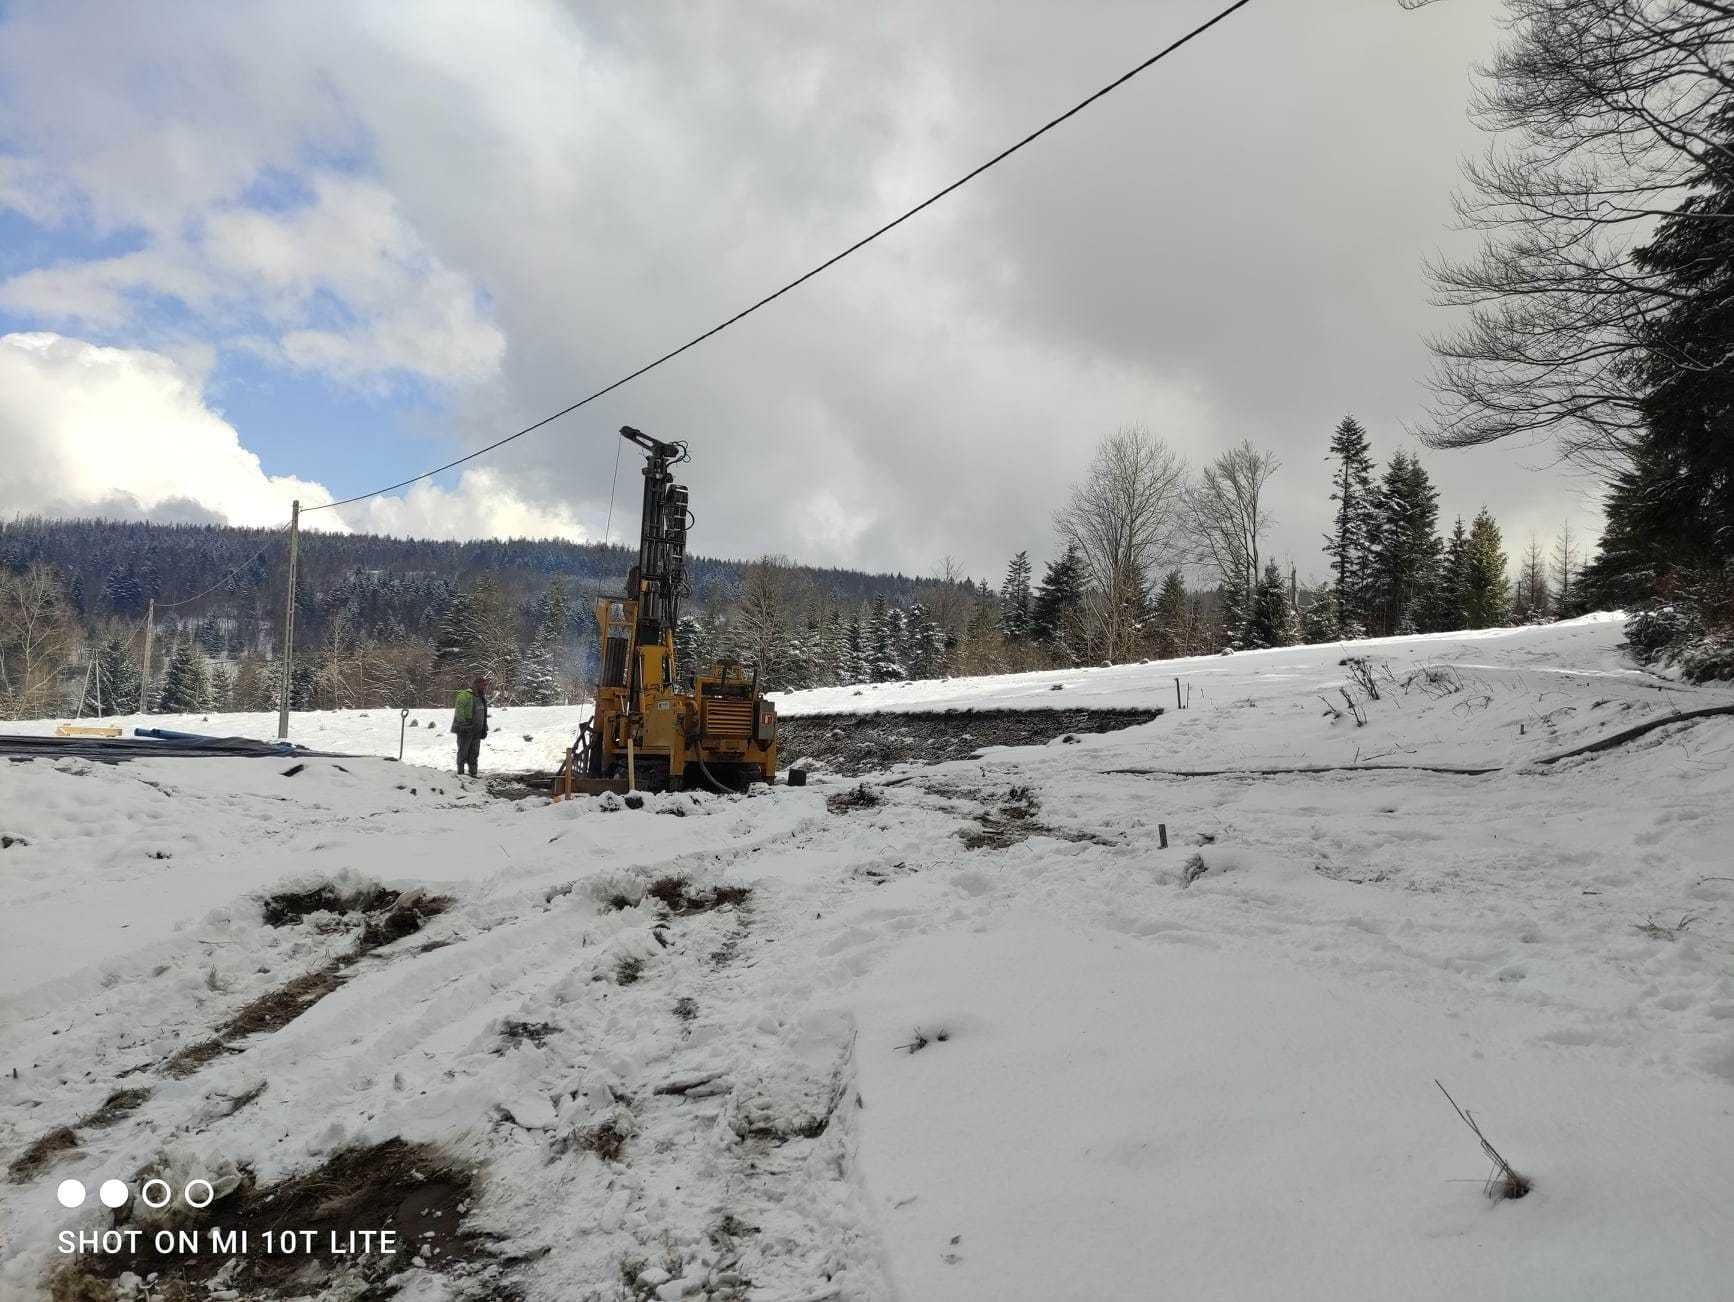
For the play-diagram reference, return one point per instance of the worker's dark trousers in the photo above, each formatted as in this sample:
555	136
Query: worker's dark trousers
469	751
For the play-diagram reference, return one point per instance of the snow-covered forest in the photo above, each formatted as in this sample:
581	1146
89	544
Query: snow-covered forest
1149	559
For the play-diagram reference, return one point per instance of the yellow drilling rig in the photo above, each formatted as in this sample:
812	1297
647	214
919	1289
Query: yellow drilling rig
647	733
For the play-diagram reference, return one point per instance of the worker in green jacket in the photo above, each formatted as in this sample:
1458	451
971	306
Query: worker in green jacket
470	723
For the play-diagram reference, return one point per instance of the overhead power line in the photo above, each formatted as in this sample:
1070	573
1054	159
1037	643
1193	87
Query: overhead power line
832	261
274	536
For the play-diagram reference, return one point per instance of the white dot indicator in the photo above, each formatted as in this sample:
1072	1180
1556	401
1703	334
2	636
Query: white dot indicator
70	1193
187	1193
162	1199
113	1193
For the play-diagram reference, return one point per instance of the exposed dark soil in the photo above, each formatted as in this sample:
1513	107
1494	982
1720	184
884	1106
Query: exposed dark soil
1013	821
854	744
117	1105
194	1056
275	1009
535	1033
859	797
385	916
43	1153
286	908
606	1140
681	897
64	1139
413	1189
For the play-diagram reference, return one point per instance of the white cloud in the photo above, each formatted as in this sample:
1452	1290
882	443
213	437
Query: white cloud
87	430
402	309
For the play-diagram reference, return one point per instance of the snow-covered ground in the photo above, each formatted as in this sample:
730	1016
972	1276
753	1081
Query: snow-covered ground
1044	1068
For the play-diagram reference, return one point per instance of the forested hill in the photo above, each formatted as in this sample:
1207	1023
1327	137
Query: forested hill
113	569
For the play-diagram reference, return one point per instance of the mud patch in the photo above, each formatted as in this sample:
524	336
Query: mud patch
861	797
1014	821
412	1189
680	897
854	744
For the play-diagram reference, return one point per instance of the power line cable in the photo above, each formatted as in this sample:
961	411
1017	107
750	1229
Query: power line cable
861	243
170	605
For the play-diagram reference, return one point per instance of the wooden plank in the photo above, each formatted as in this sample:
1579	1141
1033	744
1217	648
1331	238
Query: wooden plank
86	730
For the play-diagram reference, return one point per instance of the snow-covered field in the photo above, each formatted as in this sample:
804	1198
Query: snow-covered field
1048	1067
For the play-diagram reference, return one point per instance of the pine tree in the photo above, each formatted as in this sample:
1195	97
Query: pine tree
459	638
689	637
885	642
538	681
221	696
1445	613
1350	541
1323	621
1170	617
1015	600
1055	612
828	658
1486	586
1405	562
254	688
1676	514
854	665
116	681
186	685
1267	623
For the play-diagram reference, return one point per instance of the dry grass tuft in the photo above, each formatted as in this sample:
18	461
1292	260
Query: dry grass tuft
1503	1181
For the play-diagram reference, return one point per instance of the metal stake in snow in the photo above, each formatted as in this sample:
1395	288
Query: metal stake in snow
289	624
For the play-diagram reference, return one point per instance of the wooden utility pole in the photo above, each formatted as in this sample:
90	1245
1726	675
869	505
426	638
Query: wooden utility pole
144	682
289	624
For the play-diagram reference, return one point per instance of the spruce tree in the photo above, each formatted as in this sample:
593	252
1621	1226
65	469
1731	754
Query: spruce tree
538	681
887	639
1405	563
1349	543
116	681
1679	512
1170	617
254	688
1055	612
1323	620
458	641
1015	600
1445	614
1267	623
688	634
853	668
1486	586
186	685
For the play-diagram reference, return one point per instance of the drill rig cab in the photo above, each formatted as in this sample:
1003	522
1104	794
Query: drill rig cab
646	732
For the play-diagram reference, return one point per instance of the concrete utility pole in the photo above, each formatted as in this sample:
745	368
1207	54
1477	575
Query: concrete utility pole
289	624
144	682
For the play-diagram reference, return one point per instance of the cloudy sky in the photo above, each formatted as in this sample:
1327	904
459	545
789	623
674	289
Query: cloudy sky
249	253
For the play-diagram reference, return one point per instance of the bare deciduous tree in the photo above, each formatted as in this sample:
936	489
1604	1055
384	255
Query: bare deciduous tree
762	611
37	641
1125	521
1226	510
1604	108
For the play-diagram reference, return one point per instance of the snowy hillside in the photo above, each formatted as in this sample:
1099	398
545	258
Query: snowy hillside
957	1032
